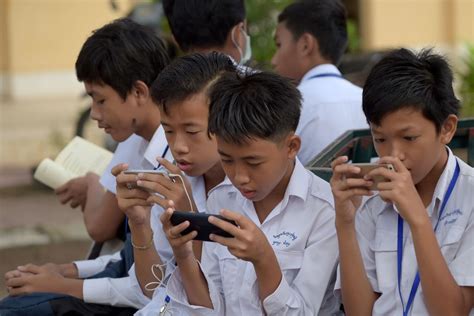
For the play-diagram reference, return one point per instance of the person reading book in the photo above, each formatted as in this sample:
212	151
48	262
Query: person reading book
117	64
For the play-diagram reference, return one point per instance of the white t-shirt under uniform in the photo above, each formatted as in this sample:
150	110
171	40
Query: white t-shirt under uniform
302	233
377	227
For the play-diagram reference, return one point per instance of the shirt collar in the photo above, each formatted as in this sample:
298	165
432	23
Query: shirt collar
156	147
443	182
199	191
321	69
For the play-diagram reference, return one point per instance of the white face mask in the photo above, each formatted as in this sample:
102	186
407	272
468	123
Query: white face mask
244	57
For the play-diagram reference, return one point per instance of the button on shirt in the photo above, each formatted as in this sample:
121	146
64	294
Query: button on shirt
331	106
377	226
301	231
139	154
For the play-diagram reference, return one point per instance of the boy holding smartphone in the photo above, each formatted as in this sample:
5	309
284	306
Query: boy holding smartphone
181	90
409	251
283	252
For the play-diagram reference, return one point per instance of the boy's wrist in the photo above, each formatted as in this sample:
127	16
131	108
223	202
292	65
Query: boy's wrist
72	287
69	270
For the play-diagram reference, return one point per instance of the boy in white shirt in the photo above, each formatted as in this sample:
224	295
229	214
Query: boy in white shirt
284	251
118	83
409	251
311	37
181	90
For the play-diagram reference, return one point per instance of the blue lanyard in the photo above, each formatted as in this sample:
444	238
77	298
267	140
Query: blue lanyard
162	156
416	281
325	75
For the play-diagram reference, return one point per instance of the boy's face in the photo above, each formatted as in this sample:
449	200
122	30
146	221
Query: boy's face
285	59
258	167
111	112
408	135
185	125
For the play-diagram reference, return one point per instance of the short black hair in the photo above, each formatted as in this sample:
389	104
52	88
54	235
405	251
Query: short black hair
323	19
188	75
121	53
257	105
203	23
404	78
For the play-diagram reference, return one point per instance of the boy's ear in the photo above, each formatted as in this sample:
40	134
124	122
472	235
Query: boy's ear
294	145
141	92
307	44
448	129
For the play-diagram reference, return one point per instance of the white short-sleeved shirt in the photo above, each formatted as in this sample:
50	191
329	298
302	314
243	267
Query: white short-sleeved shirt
139	154
158	300
331	106
302	233
377	227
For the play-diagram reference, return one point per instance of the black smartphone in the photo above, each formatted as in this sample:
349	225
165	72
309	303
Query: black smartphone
200	223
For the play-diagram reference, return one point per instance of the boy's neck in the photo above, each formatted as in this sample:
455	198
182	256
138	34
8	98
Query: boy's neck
264	207
213	177
427	186
149	125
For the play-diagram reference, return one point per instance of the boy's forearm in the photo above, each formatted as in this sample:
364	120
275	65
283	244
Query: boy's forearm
72	287
442	294
194	282
357	293
268	275
145	258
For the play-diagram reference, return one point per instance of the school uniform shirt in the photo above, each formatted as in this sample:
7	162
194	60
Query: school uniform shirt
331	106
377	227
139	154
301	231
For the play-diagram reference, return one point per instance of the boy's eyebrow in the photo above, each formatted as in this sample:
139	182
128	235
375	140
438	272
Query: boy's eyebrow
222	153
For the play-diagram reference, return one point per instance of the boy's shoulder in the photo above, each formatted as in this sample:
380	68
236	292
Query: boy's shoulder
319	189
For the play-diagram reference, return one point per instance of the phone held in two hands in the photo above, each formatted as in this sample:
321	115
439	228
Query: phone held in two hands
200	222
365	168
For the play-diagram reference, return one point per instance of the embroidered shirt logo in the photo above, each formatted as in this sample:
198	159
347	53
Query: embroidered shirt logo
284	239
451	217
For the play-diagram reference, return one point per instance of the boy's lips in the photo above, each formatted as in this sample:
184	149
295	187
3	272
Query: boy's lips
183	165
249	194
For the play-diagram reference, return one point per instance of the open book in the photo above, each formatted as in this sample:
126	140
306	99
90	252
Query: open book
75	160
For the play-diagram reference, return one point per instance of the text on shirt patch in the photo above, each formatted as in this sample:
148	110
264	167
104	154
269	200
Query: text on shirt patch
284	238
451	217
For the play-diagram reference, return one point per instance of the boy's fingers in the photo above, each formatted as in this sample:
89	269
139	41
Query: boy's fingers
175	231
119	168
155	199
226	226
62	188
154	186
165	218
396	162
181	240
168	165
16	282
123	178
32	268
224	241
339	160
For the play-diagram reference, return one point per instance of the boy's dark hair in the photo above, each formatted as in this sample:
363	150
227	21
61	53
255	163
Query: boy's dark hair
259	105
120	53
323	19
188	75
402	79
202	23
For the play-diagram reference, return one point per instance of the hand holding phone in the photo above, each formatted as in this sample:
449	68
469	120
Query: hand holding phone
199	222
366	168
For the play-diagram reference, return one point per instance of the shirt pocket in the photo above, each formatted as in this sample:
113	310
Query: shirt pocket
385	259
290	263
450	243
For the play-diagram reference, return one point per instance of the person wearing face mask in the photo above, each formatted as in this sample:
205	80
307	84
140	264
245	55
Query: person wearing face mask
210	25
